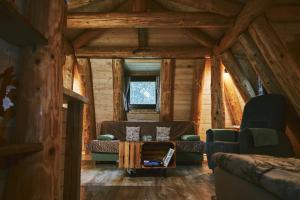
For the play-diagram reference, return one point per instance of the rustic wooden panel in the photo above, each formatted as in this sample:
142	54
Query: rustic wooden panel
183	89
118	88
68	72
103	89
39	118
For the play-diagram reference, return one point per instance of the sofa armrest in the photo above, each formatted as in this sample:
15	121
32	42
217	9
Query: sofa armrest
225	135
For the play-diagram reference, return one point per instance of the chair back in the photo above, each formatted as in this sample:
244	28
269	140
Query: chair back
266	111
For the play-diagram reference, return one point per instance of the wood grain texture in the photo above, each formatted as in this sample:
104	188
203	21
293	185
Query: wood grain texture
278	58
200	37
20	149
250	11
232	100
240	80
197	92
226	8
217	94
284	14
86	37
89	123
146	20
39	118
167	89
118	88
150	52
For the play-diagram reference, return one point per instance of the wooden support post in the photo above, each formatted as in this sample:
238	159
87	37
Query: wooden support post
197	94
89	123
118	87
249	12
232	100
39	116
238	76
167	89
73	147
217	91
141	6
280	61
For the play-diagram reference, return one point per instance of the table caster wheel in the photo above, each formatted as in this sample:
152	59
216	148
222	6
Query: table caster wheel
131	172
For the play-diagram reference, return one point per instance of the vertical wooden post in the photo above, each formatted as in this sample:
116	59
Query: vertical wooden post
239	78
39	113
232	100
89	123
197	94
118	88
167	89
217	91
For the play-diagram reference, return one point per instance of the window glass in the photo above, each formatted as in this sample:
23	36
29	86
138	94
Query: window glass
143	93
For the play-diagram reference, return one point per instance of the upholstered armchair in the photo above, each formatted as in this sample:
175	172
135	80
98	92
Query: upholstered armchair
262	131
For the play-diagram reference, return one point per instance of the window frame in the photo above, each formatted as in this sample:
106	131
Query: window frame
143	79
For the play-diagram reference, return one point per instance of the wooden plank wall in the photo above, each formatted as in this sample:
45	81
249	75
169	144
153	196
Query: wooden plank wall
68	72
103	89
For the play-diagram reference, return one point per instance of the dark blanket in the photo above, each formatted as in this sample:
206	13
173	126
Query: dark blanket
279	176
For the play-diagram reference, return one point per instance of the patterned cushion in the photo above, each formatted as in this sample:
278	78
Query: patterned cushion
132	133
279	176
163	133
102	146
189	146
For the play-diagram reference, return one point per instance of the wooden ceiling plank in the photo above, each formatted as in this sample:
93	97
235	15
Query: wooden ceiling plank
249	12
221	7
146	20
286	13
153	52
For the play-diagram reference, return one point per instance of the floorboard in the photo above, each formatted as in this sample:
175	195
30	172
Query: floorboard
186	182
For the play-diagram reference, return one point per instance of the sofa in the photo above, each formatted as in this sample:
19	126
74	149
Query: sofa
262	131
259	177
186	151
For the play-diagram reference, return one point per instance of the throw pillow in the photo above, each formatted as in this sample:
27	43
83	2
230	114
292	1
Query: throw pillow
163	133
132	133
105	137
190	137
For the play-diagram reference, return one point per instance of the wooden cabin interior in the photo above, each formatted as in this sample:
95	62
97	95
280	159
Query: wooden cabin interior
150	99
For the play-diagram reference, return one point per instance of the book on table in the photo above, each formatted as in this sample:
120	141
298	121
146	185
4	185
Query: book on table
164	162
167	158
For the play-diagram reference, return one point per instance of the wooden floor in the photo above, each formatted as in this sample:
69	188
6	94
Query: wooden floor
108	182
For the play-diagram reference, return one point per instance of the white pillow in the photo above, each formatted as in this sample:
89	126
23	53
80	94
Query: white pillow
163	133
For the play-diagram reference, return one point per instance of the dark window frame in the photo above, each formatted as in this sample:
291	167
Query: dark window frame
142	79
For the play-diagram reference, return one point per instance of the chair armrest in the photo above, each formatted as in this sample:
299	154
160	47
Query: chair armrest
225	135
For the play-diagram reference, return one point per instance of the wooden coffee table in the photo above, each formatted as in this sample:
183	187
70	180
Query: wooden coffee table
133	154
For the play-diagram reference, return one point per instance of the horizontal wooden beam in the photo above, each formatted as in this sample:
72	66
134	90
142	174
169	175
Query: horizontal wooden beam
147	20
222	7
151	52
73	96
249	12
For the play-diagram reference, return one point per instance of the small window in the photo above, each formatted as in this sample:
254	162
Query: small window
143	92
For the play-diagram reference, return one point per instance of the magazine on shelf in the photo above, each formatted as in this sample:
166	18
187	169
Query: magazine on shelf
167	158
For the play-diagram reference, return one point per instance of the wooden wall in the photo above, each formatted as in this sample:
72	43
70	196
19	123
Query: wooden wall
103	89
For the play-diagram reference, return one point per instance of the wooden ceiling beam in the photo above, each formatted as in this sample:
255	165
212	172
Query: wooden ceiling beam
133	52
200	37
286	13
249	12
78	4
240	79
147	20
141	6
221	7
86	37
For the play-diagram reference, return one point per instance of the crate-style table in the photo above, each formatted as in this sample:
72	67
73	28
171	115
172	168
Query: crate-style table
132	154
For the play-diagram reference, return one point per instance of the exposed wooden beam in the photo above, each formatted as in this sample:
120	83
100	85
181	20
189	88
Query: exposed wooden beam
167	89
67	47
141	6
232	100
222	7
197	94
249	12
286	13
259	64
143	37
151	52
200	37
278	58
86	37
238	76
146	20
77	4
118	86
217	93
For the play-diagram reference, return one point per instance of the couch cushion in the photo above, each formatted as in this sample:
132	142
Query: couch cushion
189	146
102	146
133	133
279	176
105	137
